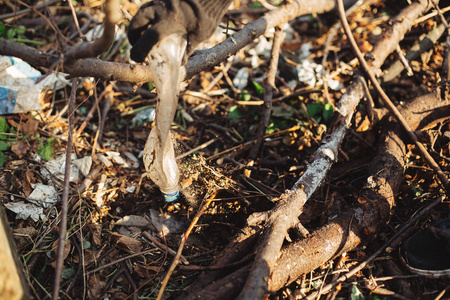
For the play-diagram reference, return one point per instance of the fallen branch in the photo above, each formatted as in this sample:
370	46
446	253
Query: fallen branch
290	205
413	53
285	214
401	24
385	98
376	200
349	230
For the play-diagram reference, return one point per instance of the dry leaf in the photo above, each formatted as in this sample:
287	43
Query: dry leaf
24	236
96	232
20	148
89	257
96	287
66	252
30	126
147	271
127	243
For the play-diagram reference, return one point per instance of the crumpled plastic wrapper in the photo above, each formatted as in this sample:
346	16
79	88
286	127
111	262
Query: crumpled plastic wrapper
21	86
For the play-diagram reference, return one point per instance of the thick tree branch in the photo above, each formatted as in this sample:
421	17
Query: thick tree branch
290	205
401	24
376	199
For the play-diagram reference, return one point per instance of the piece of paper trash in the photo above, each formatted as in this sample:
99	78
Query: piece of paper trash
166	224
57	167
20	90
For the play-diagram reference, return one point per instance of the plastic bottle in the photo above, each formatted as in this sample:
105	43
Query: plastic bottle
159	157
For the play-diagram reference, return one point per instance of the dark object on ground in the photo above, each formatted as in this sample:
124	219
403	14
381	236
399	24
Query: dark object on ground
196	19
428	251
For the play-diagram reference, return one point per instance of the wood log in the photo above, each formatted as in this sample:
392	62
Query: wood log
13	284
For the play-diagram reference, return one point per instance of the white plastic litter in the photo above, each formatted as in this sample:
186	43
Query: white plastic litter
20	90
57	167
42	197
84	165
308	72
240	80
144	116
312	74
159	156
133	159
133	220
105	161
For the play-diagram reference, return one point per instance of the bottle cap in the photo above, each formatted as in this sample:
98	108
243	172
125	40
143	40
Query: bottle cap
171	197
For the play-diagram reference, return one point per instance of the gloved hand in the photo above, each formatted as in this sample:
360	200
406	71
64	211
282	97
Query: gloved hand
195	19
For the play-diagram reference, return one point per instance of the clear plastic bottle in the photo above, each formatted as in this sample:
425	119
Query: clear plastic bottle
159	156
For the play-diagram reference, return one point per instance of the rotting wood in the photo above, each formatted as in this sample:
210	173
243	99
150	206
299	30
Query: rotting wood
13	284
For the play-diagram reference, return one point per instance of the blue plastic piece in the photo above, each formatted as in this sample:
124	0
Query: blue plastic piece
171	197
7	100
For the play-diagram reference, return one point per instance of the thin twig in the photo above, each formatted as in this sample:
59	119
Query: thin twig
200	147
268	91
447	41
164	247
184	237
75	20
65	197
15	14
387	101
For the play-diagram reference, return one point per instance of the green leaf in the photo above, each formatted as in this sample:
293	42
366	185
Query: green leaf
67	273
314	108
46	152
86	245
10	33
327	111
234	113
259	89
245	96
21	29
377	297
3	146
356	294
255	4
2	29
3	128
2	159
271	128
